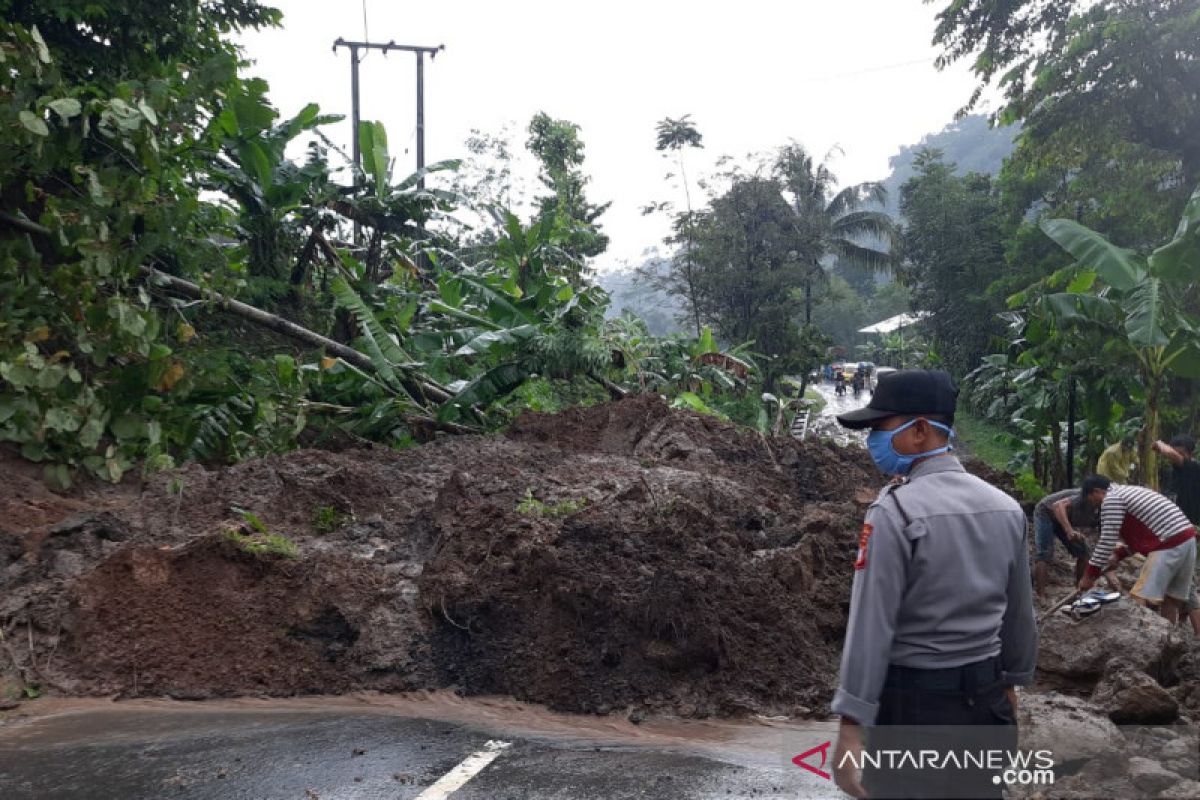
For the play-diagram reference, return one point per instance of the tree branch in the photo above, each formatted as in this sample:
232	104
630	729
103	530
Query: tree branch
274	322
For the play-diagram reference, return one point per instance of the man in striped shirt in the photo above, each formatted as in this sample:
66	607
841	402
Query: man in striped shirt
1144	522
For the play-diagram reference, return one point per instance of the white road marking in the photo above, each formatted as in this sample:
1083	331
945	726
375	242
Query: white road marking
471	766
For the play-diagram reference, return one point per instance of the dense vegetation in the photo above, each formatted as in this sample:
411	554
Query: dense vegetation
173	285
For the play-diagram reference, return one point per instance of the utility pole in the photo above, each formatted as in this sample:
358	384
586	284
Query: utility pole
420	52
1071	431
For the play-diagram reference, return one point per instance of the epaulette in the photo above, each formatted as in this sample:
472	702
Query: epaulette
891	491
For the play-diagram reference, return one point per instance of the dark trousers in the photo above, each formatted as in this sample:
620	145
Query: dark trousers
959	719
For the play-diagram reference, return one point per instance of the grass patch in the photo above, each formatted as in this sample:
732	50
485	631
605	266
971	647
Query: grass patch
258	541
271	544
530	506
983	440
814	397
328	519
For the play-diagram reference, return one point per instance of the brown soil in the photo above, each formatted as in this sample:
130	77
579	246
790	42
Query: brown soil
666	561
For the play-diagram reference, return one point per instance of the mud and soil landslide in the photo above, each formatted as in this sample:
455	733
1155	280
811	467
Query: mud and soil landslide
621	556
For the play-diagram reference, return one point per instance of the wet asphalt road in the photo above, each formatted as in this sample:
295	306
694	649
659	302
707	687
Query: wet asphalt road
826	426
199	755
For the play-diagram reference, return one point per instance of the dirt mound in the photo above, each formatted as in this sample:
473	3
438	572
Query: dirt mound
617	556
666	560
211	619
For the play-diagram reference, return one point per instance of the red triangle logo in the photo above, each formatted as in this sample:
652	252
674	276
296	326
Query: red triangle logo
823	749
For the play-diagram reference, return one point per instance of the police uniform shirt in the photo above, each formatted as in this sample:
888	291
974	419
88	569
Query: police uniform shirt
941	580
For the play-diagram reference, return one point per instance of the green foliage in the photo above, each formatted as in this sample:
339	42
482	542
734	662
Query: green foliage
258	541
559	149
112	41
530	506
760	247
264	545
550	396
1136	305
988	442
679	276
953	247
1030	489
692	402
1099	88
676	134
376	162
84	357
250	165
328	519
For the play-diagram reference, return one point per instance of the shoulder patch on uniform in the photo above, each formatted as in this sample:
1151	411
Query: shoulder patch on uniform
863	538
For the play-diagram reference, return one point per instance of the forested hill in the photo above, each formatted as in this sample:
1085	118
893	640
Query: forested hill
970	143
660	310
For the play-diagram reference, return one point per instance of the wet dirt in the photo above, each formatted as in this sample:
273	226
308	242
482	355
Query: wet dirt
625	557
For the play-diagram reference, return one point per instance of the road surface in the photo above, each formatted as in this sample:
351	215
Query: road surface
298	750
826	425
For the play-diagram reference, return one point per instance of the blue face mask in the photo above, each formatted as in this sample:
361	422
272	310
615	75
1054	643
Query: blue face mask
879	443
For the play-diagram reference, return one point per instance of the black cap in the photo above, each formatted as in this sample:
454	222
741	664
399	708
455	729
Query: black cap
906	392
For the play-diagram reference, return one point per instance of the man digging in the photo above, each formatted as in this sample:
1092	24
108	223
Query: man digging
1134	519
1059	516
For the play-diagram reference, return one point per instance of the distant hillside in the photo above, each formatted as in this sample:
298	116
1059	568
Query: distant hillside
967	142
658	309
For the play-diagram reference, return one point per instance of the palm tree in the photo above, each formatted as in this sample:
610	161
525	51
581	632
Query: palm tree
675	135
833	224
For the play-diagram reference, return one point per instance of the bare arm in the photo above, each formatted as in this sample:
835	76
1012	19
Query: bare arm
1173	455
1060	513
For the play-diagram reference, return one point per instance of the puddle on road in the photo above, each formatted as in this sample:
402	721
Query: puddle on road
750	742
825	424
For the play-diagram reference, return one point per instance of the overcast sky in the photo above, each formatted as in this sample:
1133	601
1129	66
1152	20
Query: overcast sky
752	74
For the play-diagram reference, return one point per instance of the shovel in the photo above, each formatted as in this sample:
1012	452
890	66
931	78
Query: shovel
1074	595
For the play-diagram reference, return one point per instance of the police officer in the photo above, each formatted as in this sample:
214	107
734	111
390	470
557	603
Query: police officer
941	616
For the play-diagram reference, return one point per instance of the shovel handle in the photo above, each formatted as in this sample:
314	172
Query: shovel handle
1072	596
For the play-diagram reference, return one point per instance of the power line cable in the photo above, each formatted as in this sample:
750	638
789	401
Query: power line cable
366	32
867	71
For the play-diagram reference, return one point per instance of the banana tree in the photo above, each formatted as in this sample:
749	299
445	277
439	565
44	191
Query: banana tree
1139	301
251	166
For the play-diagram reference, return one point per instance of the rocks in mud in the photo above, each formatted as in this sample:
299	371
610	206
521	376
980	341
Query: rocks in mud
1073	729
12	552
1184	790
1130	696
1075	652
1094	758
11	548
65	551
1151	777
78	542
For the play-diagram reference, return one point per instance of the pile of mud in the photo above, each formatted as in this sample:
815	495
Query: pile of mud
622	556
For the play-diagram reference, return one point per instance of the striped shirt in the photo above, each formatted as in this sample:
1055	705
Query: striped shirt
1141	518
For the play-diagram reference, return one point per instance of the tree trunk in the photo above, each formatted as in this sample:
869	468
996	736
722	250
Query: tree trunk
1071	432
288	328
1149	461
425	388
614	391
1057	471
